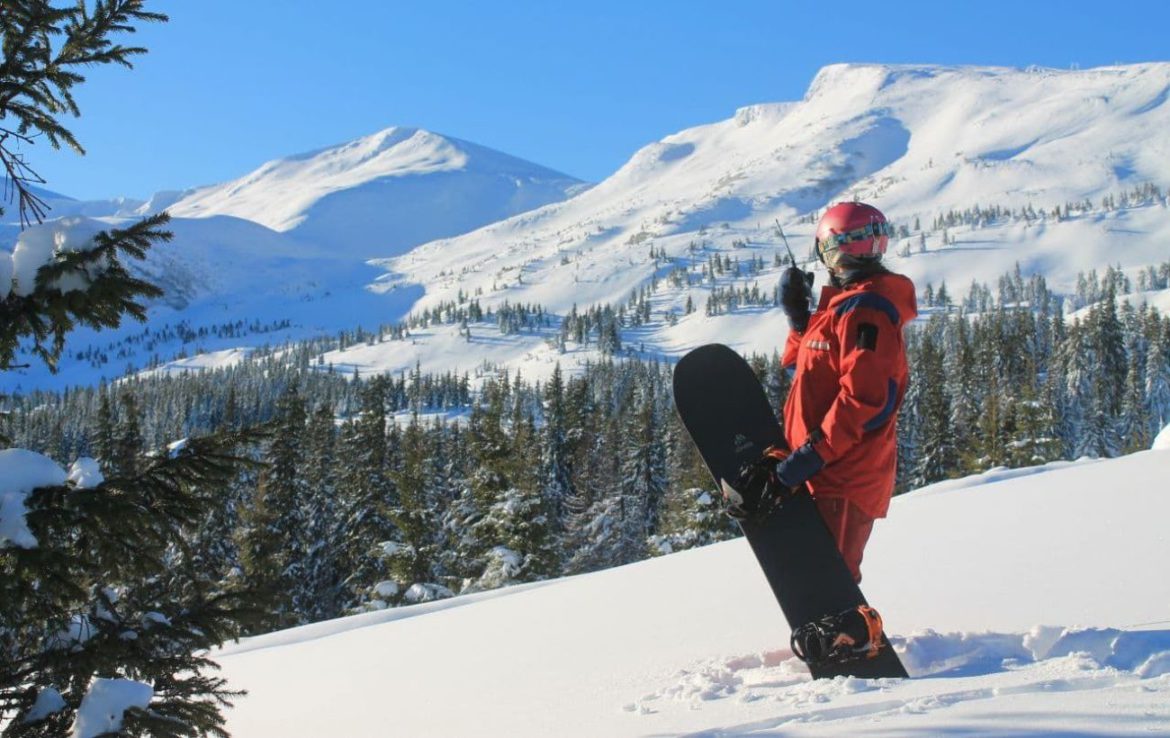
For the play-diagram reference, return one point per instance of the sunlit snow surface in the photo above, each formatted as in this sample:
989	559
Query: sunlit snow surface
1026	604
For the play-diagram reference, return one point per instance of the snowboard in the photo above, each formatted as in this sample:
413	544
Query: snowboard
725	411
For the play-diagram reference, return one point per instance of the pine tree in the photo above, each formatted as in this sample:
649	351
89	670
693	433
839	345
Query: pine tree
128	443
103	434
964	389
1133	428
909	423
938	457
411	555
285	497
643	481
322	527
368	497
1158	378
555	457
691	512
108	560
263	559
1076	367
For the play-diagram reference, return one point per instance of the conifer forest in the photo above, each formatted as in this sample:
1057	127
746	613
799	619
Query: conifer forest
379	491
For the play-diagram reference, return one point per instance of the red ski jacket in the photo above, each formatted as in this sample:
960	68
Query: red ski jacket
849	378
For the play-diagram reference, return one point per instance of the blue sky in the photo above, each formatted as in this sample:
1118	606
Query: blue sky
576	86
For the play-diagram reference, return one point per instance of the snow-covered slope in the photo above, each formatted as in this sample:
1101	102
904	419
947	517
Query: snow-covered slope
1024	603
381	194
283	250
918	141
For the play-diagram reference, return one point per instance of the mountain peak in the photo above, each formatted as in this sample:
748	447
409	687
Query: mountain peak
383	192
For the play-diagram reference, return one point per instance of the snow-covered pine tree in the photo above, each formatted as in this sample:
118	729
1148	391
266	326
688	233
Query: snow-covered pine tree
262	558
102	435
490	453
909	421
1032	438
963	388
555	457
128	443
284	497
1076	365
643	476
523	517
1158	375
411	555
95	584
322	520
1133	423
692	512
580	439
938	456
1108	339
596	522
367	498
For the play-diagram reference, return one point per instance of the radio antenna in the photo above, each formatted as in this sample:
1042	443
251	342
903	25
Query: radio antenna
780	231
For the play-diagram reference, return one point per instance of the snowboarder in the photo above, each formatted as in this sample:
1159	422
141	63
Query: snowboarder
847	360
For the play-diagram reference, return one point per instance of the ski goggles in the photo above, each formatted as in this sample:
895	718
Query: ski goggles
837	240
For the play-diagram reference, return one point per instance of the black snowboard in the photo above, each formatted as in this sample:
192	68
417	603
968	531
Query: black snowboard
726	412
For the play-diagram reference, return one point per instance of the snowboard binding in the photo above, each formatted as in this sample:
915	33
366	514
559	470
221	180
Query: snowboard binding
756	492
835	639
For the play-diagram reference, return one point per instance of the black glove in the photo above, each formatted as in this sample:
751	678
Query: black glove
795	294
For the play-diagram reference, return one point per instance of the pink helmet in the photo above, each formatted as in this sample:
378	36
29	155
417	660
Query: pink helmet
854	230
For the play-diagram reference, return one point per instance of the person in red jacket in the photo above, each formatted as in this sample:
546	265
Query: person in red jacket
847	359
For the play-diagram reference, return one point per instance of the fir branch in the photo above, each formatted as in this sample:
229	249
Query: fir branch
47	315
37	75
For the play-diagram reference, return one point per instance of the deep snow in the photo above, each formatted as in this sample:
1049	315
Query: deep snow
1029	603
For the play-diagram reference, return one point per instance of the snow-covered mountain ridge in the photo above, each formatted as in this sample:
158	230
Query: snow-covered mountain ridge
916	140
382	193
287	244
981	168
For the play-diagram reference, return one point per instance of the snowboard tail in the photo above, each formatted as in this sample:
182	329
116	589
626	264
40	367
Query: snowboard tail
725	411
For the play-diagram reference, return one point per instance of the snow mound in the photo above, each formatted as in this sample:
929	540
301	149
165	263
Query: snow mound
1162	441
106	703
49	702
85	473
40	245
966	654
21	472
950	670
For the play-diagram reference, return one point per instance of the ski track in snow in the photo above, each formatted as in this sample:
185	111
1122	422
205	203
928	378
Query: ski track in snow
948	671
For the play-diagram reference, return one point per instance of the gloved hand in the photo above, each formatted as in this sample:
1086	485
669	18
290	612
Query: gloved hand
796	468
795	294
763	485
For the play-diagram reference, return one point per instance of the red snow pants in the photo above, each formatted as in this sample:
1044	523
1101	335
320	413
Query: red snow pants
850	528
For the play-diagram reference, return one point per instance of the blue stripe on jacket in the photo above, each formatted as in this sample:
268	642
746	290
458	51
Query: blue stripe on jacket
887	411
868	300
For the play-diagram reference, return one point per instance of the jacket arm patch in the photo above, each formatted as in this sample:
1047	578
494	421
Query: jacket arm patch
867	335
